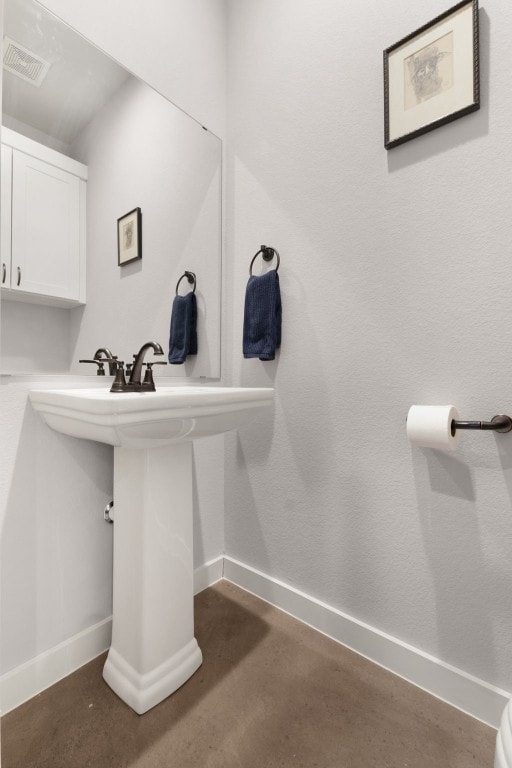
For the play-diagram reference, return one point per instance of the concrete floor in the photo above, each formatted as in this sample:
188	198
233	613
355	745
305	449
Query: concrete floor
271	693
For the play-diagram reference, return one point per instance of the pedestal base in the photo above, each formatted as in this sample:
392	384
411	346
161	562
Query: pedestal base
153	649
142	692
503	757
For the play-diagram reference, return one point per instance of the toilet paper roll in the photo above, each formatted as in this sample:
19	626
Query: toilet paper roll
430	426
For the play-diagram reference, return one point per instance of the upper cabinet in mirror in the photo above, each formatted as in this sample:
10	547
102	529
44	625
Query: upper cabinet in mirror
137	150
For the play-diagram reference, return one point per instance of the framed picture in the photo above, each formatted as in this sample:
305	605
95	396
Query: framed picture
431	77
129	237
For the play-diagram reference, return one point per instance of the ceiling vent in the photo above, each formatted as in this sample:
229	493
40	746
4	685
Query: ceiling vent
24	63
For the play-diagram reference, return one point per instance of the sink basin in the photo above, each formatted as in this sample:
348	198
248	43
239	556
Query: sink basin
153	650
148	419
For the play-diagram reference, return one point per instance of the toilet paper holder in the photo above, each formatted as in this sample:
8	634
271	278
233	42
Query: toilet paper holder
499	423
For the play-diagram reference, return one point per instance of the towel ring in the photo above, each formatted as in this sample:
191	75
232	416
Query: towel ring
191	279
268	254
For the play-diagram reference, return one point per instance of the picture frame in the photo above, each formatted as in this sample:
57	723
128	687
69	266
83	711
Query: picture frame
129	237
432	76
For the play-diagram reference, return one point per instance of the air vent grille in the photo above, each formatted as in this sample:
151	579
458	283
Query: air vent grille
24	63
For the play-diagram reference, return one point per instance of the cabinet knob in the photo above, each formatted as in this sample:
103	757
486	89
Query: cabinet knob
4	272
19	276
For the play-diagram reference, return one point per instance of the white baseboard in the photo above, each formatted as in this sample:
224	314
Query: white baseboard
469	694
208	574
29	679
473	696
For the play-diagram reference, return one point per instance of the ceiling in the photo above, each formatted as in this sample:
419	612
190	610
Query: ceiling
80	81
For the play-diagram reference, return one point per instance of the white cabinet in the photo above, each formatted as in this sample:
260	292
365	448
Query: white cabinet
5	222
43	223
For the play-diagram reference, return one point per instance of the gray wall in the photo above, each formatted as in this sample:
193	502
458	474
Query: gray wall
395	273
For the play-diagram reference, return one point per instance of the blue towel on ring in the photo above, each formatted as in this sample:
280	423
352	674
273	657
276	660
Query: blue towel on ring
183	332
262	316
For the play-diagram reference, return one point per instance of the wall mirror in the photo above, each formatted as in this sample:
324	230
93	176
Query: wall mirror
141	151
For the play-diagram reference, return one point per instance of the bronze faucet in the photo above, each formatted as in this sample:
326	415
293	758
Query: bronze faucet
109	357
139	359
134	383
102	356
117	369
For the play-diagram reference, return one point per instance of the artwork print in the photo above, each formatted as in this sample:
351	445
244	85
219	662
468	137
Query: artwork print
428	72
129	237
432	76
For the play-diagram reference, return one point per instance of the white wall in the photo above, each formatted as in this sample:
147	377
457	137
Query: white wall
56	553
56	549
142	151
395	275
35	338
177	46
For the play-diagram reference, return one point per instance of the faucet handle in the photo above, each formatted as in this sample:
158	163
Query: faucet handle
104	353
149	367
149	383
119	383
99	363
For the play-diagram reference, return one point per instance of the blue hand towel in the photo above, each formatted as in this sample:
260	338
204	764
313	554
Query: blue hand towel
183	333
262	316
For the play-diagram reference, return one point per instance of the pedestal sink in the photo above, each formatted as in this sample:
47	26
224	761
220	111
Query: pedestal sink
153	649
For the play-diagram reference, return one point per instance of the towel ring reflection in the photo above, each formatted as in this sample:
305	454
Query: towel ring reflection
191	277
268	254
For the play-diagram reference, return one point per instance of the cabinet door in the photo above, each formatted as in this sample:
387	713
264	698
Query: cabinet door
45	228
5	222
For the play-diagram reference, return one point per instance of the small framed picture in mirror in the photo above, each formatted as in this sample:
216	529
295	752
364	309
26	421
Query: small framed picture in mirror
129	237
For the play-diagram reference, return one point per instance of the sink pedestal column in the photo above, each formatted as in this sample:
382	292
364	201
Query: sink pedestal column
153	649
503	755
